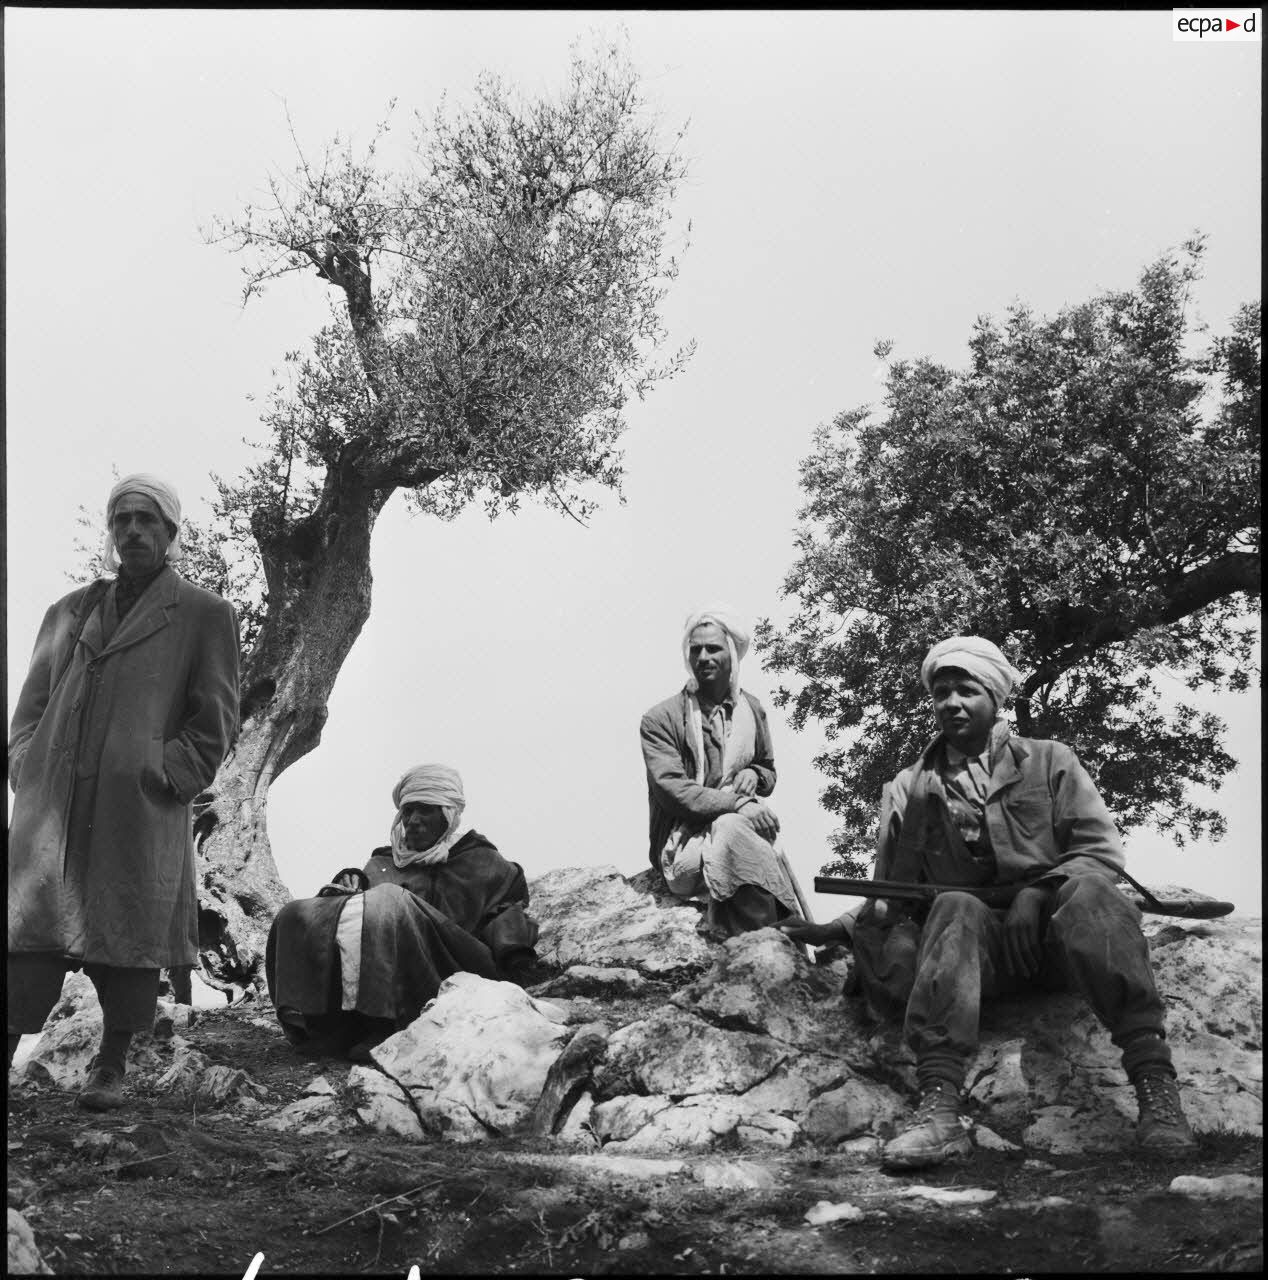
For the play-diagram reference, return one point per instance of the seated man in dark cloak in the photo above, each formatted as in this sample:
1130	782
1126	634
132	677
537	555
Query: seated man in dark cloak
359	961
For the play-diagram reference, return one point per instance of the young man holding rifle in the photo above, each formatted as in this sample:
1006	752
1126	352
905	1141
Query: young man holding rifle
982	808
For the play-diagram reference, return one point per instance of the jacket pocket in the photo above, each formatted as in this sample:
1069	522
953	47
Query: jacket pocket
153	777
1029	809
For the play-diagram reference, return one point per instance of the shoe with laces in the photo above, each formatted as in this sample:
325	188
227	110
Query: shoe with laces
104	1090
1162	1127
933	1134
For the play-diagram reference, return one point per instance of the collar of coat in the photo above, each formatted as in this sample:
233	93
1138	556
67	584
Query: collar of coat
1006	753
148	615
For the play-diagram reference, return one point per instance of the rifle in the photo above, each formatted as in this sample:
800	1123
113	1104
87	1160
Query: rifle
1194	907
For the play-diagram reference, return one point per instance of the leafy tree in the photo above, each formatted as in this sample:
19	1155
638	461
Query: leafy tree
1085	494
493	309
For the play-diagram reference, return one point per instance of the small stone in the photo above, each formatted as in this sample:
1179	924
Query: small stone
825	1211
627	1166
950	1195
635	1240
989	1140
1240	1185
319	1085
23	1257
738	1175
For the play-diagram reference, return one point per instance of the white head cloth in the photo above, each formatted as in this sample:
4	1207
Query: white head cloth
978	657
427	784
737	640
162	495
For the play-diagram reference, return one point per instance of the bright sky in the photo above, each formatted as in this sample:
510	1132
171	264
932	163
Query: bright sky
854	176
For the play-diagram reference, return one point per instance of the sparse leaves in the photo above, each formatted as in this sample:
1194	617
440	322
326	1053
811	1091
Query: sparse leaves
496	301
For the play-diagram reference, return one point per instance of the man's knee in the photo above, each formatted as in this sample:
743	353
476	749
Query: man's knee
386	893
727	825
1093	898
957	910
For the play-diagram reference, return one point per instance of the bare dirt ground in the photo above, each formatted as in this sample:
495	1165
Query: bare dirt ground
162	1189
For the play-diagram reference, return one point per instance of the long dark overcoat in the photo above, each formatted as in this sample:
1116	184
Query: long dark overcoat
87	757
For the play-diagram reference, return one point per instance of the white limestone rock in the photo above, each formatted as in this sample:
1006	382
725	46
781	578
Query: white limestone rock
205	996
865	1148
673	1053
1212	974
767	1129
824	1211
310	1116
1242	1186
23	1258
762	982
172	1019
642	1169
382	1104
593	916
997	1081
578	1129
852	1109
475	1060
696	1123
734	1175
621	1118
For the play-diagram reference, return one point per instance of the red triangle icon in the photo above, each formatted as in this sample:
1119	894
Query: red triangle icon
1230	25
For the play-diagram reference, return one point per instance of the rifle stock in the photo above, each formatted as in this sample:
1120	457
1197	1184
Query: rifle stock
1002	895
994	895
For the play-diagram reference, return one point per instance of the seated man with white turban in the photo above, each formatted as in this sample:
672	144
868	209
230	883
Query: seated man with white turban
982	806
359	961
709	766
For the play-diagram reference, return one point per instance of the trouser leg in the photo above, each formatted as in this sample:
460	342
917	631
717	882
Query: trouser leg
34	984
128	998
885	962
182	983
749	907
960	950
1094	937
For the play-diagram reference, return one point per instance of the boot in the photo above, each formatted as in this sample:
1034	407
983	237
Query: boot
933	1134
104	1090
1162	1127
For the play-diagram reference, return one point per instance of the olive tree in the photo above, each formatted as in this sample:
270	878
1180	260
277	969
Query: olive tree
494	305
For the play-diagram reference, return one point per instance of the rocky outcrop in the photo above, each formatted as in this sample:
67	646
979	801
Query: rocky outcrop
594	916
650	1042
763	1049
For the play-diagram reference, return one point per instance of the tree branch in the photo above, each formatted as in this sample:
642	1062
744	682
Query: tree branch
1235	571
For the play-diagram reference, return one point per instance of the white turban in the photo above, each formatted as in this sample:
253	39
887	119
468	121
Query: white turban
979	658
427	784
737	640
162	495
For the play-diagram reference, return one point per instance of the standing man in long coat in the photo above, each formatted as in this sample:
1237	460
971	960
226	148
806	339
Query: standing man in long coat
129	707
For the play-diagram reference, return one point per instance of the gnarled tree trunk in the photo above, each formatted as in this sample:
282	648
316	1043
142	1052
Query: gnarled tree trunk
318	576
